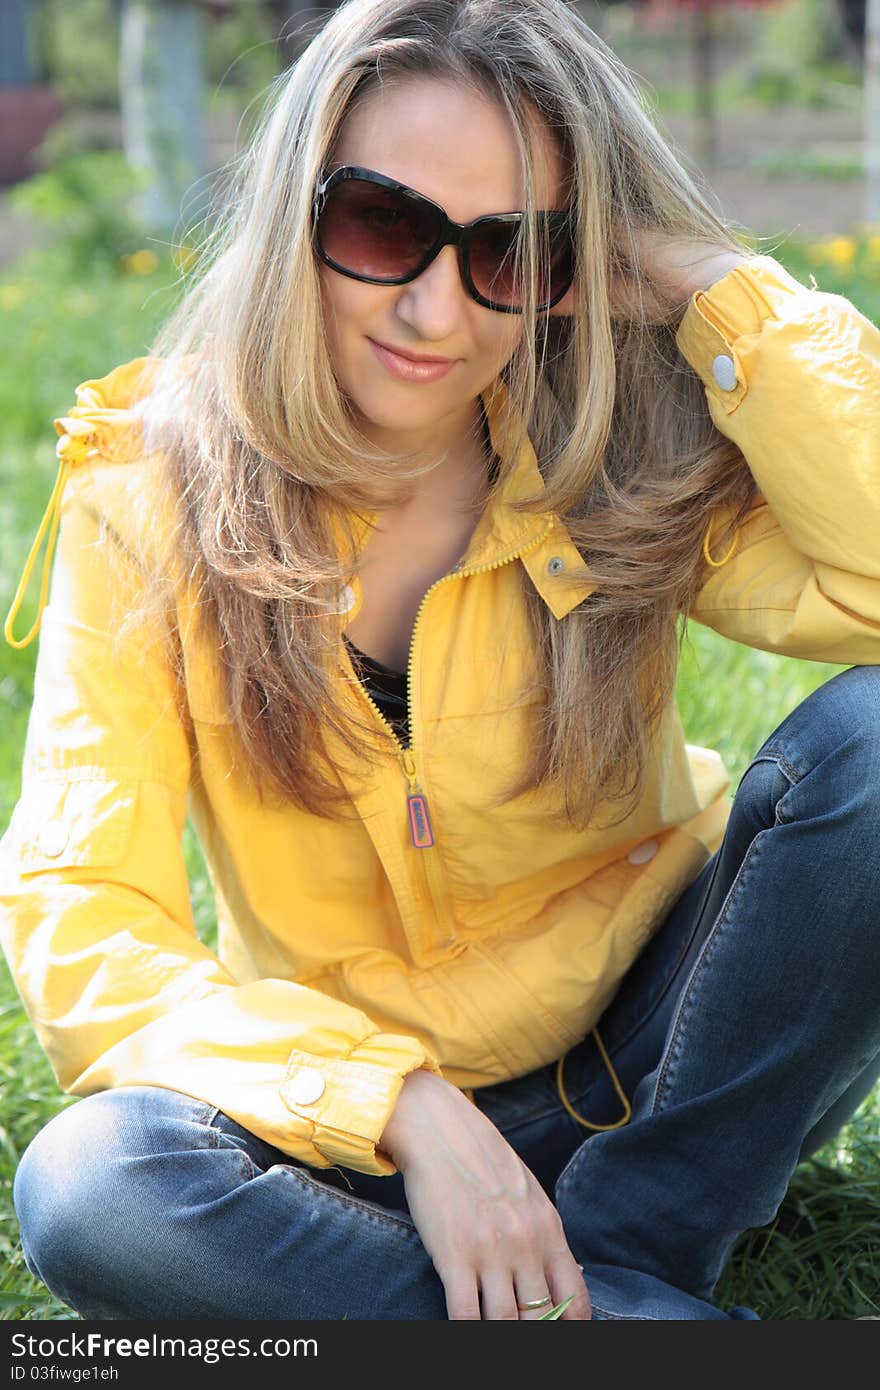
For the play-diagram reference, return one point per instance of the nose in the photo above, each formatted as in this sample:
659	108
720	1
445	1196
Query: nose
432	303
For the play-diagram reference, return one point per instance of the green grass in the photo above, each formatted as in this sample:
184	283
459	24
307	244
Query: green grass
821	1257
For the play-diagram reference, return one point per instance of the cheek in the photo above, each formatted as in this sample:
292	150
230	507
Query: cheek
343	319
336	312
351	309
502	338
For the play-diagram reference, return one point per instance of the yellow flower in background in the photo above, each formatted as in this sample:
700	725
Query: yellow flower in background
11	296
141	262
873	247
841	251
183	256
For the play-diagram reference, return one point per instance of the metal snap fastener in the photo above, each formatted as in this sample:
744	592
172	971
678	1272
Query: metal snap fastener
53	838
346	599
724	372
642	853
306	1086
556	565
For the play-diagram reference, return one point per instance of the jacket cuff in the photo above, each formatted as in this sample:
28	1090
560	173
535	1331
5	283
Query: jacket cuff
349	1099
721	324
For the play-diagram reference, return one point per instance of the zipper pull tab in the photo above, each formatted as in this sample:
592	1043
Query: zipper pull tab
420	830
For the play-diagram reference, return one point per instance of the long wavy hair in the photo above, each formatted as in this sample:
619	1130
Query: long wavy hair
259	451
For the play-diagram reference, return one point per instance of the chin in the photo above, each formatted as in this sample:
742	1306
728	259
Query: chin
390	410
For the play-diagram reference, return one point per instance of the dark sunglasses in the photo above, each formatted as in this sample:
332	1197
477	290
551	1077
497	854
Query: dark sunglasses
371	228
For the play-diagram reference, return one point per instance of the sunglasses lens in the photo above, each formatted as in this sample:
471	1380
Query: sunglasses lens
493	261
375	231
492	257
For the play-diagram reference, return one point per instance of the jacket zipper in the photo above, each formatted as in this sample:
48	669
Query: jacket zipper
418	814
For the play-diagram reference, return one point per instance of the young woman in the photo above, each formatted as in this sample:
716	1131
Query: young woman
374	567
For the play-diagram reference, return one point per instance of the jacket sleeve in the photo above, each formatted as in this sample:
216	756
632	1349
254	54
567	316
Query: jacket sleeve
95	913
792	376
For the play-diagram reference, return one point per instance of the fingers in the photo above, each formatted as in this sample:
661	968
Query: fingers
498	1294
462	1296
533	1290
565	1277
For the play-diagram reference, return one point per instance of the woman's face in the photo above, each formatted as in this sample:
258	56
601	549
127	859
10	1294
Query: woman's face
457	148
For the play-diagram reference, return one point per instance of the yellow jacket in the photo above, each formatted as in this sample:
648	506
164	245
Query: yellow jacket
348	956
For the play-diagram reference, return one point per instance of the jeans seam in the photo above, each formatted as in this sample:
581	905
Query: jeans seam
621	1317
251	1170
209	1119
781	761
367	1208
673	1047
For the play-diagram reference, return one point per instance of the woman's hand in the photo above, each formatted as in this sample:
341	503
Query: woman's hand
493	1234
675	268
672	270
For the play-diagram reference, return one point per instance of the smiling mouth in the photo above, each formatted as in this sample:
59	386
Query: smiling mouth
409	357
407	370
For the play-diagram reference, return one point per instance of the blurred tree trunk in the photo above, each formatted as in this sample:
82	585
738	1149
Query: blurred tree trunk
703	33
298	22
15	63
160	75
872	113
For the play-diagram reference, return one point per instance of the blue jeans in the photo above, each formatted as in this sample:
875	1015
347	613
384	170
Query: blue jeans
745	1034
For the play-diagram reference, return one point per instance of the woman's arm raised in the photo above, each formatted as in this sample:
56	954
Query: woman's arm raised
792	377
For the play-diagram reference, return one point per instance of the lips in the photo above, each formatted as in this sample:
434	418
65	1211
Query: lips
405	369
411	356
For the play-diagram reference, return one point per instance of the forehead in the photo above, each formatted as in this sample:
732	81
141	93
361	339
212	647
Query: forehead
453	144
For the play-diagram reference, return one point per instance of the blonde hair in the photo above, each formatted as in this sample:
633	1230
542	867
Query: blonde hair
260	455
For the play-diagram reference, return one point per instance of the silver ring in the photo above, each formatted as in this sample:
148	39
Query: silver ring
534	1303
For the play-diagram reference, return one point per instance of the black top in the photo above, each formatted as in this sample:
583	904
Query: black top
385	687
388	688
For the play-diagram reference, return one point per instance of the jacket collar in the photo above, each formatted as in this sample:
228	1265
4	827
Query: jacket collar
539	539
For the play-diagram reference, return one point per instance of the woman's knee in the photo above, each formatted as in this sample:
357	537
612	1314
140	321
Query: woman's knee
76	1186
58	1187
828	748
844	710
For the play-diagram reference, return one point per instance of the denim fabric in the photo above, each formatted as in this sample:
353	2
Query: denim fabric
745	1034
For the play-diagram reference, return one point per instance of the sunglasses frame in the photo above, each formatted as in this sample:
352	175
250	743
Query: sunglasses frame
458	234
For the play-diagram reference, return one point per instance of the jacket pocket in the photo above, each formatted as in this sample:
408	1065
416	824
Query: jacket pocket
71	823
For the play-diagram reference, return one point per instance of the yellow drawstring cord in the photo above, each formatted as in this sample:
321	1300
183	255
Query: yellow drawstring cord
716	564
587	1124
73	445
53	515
